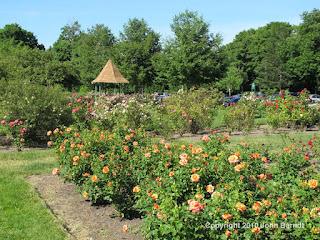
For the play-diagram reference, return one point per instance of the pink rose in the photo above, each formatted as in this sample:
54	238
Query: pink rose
21	139
20	122
3	122
195	206
74	94
11	124
49	143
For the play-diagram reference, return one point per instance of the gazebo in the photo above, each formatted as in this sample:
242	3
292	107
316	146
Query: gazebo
109	74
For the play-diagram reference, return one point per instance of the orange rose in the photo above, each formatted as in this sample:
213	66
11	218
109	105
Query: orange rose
49	133
154	196
85	194
255	230
257	206
171	174
313	183
156	206
105	170
125	228
210	188
238	167
262	176
55	171
227	233
241	207
135	143
195	206
233	159
183	162
226	216
264	159
183	156
195	178
56	131
147	154
127	137
94	178
266	202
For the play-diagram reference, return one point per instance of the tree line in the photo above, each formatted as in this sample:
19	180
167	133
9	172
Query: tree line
276	56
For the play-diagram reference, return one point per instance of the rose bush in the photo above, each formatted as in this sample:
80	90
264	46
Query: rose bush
289	111
184	191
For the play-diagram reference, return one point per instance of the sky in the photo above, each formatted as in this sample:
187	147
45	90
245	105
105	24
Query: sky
227	17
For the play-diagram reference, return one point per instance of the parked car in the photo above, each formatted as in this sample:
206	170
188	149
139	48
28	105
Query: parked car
314	98
161	96
230	100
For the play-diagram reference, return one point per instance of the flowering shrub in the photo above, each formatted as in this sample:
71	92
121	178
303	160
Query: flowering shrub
81	109
101	163
17	130
245	194
189	112
241	117
289	111
40	108
195	192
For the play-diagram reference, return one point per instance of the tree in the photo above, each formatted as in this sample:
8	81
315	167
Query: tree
67	41
92	52
232	81
192	53
134	52
303	53
19	35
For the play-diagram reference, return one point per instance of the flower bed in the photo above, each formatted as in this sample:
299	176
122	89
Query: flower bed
195	192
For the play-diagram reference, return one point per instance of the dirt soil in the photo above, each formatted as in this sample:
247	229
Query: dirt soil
81	219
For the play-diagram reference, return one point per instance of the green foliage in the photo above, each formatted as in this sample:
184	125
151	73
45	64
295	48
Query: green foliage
20	36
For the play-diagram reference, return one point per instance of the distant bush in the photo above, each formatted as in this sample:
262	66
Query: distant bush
39	107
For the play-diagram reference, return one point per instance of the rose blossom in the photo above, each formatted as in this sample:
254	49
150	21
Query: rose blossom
195	206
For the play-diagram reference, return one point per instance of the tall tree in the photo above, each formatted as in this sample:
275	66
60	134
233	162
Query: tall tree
303	53
192	53
19	35
92	52
134	52
268	48
67	41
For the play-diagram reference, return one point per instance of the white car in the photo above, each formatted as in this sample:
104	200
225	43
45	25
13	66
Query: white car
314	98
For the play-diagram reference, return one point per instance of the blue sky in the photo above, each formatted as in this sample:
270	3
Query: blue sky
227	17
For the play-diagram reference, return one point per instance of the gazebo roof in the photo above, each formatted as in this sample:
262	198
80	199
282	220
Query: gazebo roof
110	74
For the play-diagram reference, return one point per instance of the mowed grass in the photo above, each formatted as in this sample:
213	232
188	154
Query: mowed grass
275	143
23	215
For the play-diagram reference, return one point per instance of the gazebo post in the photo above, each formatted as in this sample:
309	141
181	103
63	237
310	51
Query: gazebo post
99	89
95	92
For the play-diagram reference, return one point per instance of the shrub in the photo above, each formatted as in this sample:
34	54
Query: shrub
40	108
289	111
189	112
241	116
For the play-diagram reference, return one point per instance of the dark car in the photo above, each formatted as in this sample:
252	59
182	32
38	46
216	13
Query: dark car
231	100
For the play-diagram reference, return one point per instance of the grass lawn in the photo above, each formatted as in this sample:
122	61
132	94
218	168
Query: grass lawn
23	215
274	143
